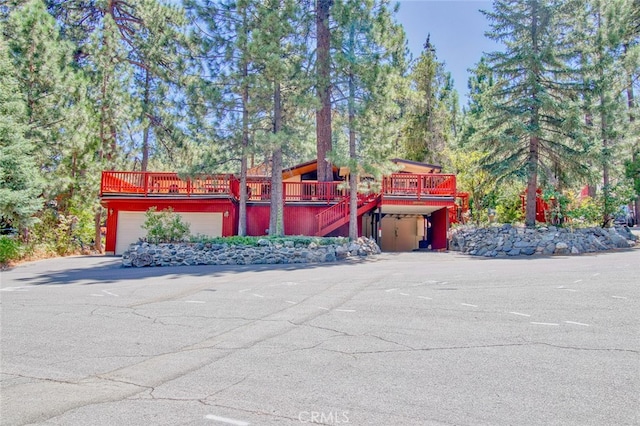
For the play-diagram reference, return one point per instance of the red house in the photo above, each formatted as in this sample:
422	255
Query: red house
407	210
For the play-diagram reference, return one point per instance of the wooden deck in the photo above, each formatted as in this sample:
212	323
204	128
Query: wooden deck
154	184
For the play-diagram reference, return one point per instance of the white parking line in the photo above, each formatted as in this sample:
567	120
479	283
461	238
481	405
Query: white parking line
619	297
242	291
194	301
257	295
521	314
577	323
291	302
323	308
110	294
14	289
468	304
404	294
390	290
544	323
425	298
226	420
577	281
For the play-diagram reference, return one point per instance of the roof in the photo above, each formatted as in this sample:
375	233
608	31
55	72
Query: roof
408	166
416	167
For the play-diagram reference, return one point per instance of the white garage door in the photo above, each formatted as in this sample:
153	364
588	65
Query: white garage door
130	226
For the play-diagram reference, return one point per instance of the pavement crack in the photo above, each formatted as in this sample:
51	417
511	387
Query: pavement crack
125	382
578	348
388	341
224	389
44	379
444	348
340	332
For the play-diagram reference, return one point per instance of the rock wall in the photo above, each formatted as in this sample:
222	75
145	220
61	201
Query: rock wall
145	254
507	240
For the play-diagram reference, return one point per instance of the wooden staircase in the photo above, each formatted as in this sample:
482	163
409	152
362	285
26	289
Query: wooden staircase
337	215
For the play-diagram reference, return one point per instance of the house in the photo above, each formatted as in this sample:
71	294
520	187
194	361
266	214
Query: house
409	209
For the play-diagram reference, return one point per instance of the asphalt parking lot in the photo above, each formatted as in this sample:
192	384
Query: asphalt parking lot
400	339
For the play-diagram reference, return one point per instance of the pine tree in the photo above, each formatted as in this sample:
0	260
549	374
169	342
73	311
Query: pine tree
324	140
465	155
54	95
604	26
631	62
220	101
369	64
533	123
116	42
432	110
280	45
158	53
20	184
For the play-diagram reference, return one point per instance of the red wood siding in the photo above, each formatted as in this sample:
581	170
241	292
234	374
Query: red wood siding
298	219
257	219
439	227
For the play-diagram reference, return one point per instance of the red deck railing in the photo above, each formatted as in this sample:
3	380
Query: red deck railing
419	185
259	189
159	183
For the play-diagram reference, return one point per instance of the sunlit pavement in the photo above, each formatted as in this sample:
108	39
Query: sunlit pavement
403	339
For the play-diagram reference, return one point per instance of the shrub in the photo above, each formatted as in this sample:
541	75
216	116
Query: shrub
10	249
165	226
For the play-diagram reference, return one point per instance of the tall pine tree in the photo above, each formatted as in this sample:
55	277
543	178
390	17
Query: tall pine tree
532	123
20	183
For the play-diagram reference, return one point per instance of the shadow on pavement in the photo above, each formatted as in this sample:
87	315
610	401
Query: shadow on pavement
112	271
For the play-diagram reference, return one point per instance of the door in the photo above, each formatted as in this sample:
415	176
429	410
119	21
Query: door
130	227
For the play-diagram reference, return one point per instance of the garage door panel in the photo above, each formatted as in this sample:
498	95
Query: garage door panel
130	226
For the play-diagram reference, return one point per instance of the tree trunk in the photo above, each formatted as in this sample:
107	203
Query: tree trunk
145	134
532	183
635	147
242	208
323	115
353	165
276	213
97	244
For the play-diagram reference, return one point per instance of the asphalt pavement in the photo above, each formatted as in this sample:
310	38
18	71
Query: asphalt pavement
398	339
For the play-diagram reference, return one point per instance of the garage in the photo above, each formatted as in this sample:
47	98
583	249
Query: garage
129	228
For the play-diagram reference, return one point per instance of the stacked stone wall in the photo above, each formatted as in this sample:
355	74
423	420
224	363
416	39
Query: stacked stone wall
145	254
507	240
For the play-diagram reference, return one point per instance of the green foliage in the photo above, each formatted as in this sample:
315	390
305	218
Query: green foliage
10	249
585	212
632	172
532	124
20	183
509	206
431	110
165	226
57	233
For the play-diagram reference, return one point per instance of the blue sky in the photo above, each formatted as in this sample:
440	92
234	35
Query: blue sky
457	30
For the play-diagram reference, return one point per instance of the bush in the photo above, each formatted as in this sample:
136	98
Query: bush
165	226
10	249
509	208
